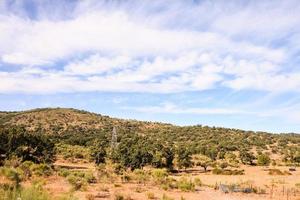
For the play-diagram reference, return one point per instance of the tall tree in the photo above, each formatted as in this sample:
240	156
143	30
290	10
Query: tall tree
184	157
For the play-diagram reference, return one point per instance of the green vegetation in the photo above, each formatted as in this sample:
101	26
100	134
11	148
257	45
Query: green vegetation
28	146
263	160
31	193
144	152
73	152
219	171
78	179
186	185
184	157
79	135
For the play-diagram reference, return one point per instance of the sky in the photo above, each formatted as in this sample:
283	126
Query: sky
232	63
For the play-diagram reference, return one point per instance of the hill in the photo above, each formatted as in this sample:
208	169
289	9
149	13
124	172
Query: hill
71	124
77	149
62	120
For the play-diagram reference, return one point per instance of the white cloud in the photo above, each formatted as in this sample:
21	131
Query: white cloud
137	47
171	108
265	82
96	64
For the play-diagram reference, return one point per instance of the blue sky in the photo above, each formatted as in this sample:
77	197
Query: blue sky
219	63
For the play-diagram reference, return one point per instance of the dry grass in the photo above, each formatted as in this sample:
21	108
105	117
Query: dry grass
257	177
275	187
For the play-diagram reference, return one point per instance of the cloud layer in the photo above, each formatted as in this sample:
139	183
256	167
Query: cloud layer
161	47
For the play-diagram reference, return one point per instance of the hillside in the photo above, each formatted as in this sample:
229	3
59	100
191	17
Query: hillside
73	152
61	120
66	122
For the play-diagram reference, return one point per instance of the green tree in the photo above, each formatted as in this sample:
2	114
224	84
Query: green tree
184	157
133	151
203	161
99	149
31	146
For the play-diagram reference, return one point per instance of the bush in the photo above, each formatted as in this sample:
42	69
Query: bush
119	197
263	160
72	152
198	181
77	182
31	193
78	179
150	195
185	185
34	193
159	175
41	169
26	168
223	165
141	176
278	172
90	197
165	197
13	161
64	172
169	183
12	174
219	171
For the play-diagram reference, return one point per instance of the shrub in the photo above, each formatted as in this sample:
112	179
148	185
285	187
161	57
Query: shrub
77	182
126	178
12	174
223	165
141	176
13	161
90	178
34	193
275	172
31	193
90	197
150	195
169	183
78	179
198	181
263	160
68	196
159	175
139	189
64	172
72	152
41	169
119	197
165	197
217	171
26	168
185	185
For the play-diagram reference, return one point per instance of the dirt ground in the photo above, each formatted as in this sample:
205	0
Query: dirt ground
276	187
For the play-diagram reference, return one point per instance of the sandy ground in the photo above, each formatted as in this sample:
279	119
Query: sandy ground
205	193
277	187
